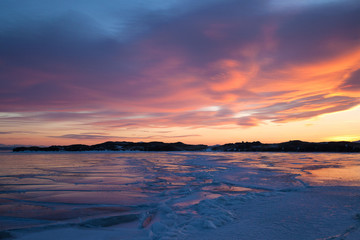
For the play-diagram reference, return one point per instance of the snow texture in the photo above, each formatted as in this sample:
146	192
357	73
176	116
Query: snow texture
179	195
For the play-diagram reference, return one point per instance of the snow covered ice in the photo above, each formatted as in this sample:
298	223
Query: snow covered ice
179	195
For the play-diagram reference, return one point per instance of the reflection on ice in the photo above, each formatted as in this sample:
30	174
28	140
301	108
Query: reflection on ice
162	192
335	175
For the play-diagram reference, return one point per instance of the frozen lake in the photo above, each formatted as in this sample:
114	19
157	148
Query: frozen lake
179	195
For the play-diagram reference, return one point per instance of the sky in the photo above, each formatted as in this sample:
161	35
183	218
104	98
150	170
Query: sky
208	71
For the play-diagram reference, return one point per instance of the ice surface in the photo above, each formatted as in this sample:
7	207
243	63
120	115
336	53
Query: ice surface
179	195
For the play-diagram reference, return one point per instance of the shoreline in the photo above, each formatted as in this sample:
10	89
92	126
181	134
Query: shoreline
290	146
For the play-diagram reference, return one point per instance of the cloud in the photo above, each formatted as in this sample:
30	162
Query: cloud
248	121
352	83
8	132
82	136
124	65
299	109
17	132
107	137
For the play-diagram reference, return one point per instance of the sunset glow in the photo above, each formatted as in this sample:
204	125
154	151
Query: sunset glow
208	72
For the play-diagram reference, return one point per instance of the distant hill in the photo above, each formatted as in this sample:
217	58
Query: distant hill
291	146
8	147
119	146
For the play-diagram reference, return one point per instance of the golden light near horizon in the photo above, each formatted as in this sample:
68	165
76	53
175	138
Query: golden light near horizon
344	138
